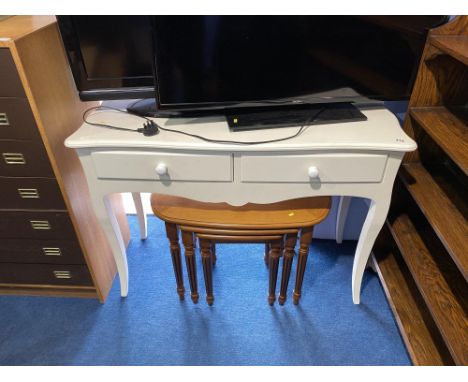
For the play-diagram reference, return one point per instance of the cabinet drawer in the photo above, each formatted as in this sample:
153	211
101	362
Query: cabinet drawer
16	120
40	251
324	168
144	165
24	158
35	225
45	274
9	79
31	193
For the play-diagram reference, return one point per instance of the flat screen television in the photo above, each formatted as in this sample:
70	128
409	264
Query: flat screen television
205	62
110	56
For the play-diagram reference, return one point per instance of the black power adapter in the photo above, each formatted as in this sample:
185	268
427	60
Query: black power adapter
149	129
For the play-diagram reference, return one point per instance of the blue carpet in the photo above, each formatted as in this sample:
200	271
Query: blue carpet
151	326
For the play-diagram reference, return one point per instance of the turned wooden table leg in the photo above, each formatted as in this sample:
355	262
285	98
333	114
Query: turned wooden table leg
207	261
291	239
213	254
306	239
172	235
273	259
187	239
266	258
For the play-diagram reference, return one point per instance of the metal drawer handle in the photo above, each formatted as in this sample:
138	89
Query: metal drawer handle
14	158
4	120
28	193
40	224
62	274
50	251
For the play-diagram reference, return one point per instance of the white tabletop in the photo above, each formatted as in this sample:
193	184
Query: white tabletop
381	131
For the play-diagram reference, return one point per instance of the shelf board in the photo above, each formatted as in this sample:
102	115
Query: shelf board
418	330
454	46
438	281
443	215
448	129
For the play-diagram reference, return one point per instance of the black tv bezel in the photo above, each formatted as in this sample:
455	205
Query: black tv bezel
99	89
116	94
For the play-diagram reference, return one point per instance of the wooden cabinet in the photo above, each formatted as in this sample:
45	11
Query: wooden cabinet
50	242
422	252
9	77
41	251
16	119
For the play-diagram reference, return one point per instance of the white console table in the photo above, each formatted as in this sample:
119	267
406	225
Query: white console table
347	159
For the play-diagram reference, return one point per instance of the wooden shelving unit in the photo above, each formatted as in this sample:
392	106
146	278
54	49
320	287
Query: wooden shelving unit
454	46
447	221
437	281
422	252
446	128
418	329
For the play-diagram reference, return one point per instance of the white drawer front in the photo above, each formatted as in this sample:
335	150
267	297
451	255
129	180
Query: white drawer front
163	166
323	168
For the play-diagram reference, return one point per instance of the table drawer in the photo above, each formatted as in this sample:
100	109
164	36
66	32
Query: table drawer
35	225
16	120
323	168
31	193
40	251
179	167
10	83
45	274
24	158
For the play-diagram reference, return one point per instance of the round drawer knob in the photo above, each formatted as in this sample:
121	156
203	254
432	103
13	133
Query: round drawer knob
161	169
313	172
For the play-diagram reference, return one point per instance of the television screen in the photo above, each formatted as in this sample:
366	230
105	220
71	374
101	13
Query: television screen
209	60
110	56
202	61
